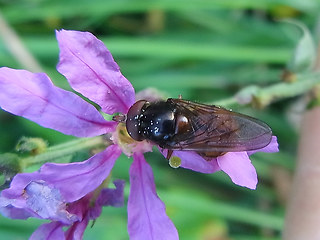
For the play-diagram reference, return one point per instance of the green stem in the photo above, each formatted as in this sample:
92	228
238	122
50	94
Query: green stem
227	102
303	84
263	96
63	150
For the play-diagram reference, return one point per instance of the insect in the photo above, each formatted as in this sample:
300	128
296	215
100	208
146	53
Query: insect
211	131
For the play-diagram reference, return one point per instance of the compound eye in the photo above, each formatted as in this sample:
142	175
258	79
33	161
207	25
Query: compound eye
132	122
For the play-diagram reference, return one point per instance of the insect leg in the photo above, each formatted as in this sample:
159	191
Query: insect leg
169	154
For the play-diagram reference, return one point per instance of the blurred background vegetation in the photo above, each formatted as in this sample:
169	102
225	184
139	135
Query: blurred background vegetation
206	50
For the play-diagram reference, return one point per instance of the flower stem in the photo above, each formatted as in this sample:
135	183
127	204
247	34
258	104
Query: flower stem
227	102
64	149
263	96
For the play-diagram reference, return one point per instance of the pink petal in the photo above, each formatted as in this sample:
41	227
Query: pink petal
77	179
47	203
239	168
33	96
73	180
147	218
37	200
272	147
112	196
11	209
77	229
192	160
108	197
81	207
91	70
48	231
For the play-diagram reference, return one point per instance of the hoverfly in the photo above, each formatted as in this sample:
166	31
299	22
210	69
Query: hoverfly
211	131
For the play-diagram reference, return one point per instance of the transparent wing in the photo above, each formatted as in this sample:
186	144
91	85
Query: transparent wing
218	129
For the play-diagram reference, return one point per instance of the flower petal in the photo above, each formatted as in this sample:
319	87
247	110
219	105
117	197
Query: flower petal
147	218
10	210
33	96
77	229
47	202
239	168
112	197
91	70
48	231
192	160
108	197
272	147
73	180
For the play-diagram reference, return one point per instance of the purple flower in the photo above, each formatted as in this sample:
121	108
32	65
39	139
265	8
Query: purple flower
236	164
63	193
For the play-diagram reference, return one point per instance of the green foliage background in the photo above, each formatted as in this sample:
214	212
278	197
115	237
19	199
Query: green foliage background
206	50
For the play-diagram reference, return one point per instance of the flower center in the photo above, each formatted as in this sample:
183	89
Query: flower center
128	145
123	136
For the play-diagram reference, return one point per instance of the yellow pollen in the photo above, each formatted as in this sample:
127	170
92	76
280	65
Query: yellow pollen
175	162
123	136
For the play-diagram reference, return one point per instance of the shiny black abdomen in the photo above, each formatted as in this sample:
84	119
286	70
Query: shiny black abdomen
157	122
